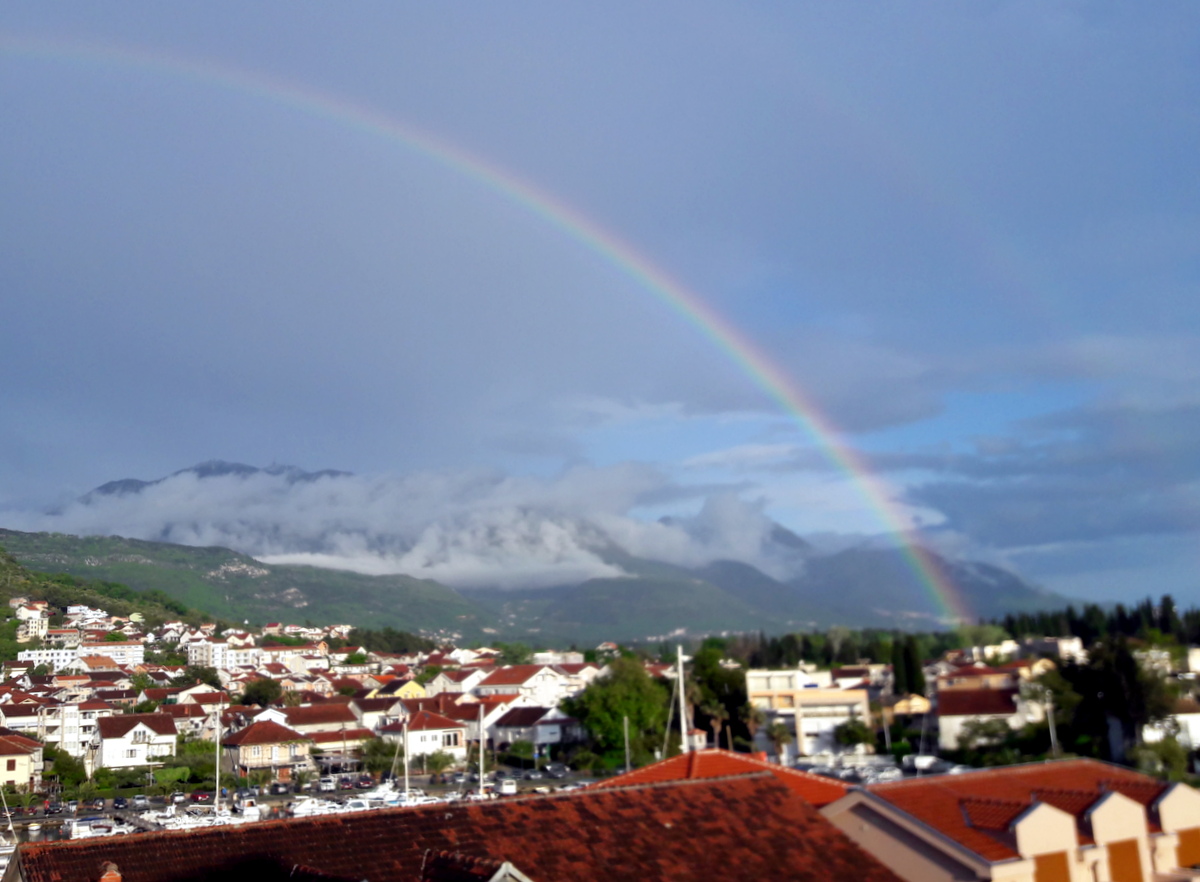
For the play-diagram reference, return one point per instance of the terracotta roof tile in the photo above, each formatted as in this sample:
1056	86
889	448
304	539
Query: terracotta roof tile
716	763
121	724
742	829
937	800
263	732
976	702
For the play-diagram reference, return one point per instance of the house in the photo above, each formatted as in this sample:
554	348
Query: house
911	705
454	680
1065	648
428	733
537	725
743	829
130	740
266	744
1061	821
20	761
543	685
1183	723
956	708
977	677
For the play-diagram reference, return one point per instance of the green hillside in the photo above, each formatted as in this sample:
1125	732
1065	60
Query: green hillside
239	588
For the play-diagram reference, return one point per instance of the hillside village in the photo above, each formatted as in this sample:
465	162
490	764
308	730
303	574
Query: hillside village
101	704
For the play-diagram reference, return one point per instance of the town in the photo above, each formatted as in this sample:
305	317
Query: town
113	725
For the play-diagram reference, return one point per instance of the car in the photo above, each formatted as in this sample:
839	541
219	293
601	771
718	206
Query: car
534	775
140	802
328	784
72	805
556	770
278	788
178	797
346	784
255	790
201	797
54	808
365	782
120	803
96	804
459	779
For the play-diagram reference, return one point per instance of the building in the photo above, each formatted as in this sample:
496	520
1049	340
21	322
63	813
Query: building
428	733
958	708
535	684
537	725
126	653
130	740
21	760
744	829
1061	821
805	702
267	745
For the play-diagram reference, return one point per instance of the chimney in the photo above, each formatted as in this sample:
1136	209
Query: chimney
111	873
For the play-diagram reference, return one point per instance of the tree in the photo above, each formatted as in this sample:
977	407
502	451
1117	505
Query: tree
356	658
753	718
438	761
514	654
193	674
912	662
717	714
378	755
262	692
852	733
627	691
780	736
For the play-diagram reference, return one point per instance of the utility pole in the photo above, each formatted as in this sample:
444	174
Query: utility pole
626	744
683	727
481	750
1049	696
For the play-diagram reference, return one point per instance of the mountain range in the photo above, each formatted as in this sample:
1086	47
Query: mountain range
606	591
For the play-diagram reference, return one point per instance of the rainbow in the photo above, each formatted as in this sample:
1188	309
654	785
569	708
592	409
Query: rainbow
688	305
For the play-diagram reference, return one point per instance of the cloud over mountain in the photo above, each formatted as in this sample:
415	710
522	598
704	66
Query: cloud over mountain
466	529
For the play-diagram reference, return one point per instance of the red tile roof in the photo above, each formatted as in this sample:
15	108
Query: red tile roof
120	725
716	763
512	675
954	804
324	714
332	736
742	829
976	702
263	732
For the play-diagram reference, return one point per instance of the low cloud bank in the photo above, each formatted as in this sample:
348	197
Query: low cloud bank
469	529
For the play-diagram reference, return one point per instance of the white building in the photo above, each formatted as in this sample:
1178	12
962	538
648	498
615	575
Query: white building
124	652
130	740
56	659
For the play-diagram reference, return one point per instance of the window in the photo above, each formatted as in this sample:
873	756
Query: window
12	765
130	754
255	750
450	739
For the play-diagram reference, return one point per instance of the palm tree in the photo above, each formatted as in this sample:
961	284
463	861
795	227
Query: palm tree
753	716
780	736
719	714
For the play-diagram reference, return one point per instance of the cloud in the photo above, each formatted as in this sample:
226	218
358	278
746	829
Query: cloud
468	528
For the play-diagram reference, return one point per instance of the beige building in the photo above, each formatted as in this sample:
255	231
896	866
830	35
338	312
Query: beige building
1063	821
20	762
804	702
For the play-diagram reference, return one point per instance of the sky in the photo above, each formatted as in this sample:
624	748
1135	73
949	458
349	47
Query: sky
448	246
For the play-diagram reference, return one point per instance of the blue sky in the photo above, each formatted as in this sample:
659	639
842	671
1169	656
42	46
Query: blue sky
969	233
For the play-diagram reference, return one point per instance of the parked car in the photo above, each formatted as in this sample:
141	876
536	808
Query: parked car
140	802
365	782
201	797
120	803
278	788
54	808
178	797
328	784
96	804
346	784
534	775
556	770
